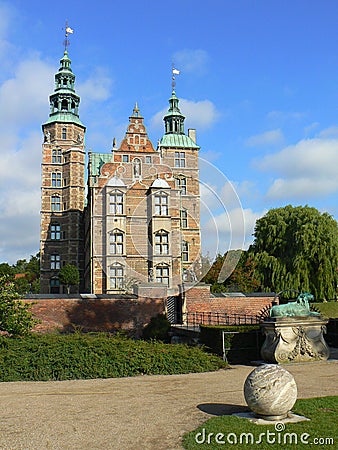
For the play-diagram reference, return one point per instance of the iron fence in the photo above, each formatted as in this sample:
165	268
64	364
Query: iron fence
194	319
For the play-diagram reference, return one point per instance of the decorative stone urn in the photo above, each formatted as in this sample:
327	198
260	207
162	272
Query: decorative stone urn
294	339
270	392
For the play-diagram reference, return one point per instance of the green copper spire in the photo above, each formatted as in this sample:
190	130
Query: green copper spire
174	119
174	127
64	102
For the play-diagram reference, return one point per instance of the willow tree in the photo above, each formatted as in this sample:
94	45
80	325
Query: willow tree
297	248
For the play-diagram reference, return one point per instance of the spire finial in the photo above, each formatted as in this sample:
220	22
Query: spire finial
68	31
173	78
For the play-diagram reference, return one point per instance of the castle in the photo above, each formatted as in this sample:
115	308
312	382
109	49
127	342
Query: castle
138	220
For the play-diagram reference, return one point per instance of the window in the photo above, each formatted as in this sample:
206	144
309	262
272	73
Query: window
56	203
55	231
116	276
179	159
161	204
148	159
56	179
161	243
185	251
162	274
54	285
64	131
181	183
125	158
56	156
116	243
184	218
55	262
116	203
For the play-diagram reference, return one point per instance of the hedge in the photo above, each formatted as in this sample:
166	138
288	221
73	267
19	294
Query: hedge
83	356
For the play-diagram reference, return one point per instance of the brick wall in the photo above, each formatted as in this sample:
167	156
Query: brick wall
198	299
106	314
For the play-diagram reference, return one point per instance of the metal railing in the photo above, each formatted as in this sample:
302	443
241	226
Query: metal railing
194	319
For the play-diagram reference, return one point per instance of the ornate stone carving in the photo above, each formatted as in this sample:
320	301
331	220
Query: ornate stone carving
294	339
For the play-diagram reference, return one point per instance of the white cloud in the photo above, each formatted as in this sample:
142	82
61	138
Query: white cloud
200	115
26	93
189	60
307	169
331	132
285	115
272	137
97	87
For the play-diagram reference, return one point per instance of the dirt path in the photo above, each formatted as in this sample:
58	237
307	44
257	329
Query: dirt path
150	412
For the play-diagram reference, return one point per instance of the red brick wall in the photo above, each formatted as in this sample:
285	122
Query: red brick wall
198	299
111	314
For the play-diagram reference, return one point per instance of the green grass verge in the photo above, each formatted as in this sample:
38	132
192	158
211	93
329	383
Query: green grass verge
327	309
319	432
83	356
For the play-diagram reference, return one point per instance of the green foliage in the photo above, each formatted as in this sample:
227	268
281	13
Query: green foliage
158	328
297	248
83	356
242	342
322	413
237	269
29	279
15	316
69	275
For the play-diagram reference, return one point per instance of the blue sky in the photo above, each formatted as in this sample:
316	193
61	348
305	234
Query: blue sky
258	81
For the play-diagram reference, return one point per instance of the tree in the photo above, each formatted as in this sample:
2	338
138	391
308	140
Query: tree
16	317
297	248
69	275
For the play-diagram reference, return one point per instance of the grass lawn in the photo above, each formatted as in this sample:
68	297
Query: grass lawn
328	309
320	432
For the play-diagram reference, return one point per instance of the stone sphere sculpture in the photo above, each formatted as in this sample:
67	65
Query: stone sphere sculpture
270	392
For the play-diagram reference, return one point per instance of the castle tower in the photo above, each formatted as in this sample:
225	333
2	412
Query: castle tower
63	185
180	152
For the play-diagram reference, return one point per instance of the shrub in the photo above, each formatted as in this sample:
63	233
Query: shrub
84	356
158	328
242	342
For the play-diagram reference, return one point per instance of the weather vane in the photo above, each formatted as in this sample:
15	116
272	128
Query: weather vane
173	78
68	31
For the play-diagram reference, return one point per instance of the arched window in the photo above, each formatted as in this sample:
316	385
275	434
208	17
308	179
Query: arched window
116	242
116	202
56	203
161	243
116	276
161	204
162	274
54	285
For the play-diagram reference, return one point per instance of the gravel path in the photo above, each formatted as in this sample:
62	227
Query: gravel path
149	412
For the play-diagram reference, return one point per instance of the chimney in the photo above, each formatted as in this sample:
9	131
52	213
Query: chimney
192	134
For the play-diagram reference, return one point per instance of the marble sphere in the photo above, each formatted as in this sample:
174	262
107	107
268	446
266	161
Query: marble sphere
270	391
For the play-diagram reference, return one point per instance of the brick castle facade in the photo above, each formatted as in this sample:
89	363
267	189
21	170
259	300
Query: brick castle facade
139	222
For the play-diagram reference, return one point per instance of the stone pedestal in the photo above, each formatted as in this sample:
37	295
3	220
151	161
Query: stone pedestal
294	339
